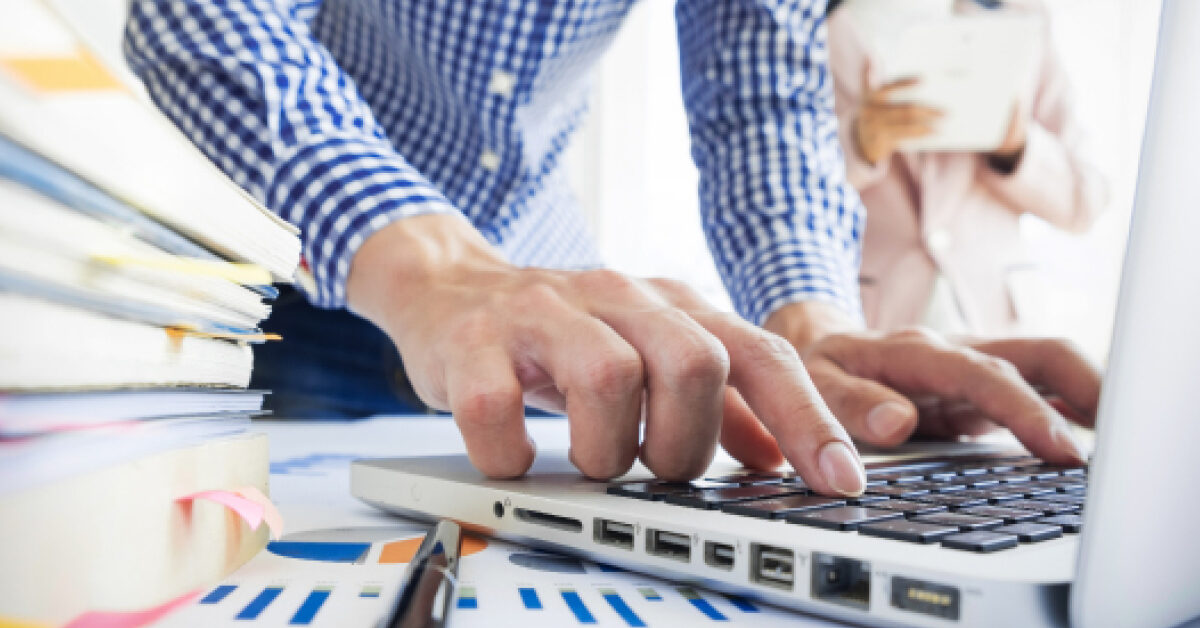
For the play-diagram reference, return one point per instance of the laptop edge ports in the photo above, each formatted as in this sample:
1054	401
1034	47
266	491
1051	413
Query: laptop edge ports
550	521
772	566
673	545
613	533
844	581
719	555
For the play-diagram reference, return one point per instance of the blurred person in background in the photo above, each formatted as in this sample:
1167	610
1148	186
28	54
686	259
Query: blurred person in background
942	247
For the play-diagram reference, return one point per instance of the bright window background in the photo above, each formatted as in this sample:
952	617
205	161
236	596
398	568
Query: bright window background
634	174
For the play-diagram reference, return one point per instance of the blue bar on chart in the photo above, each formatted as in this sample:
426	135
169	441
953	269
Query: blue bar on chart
702	604
370	590
614	600
218	594
650	594
575	603
308	609
259	603
529	598
742	604
466	598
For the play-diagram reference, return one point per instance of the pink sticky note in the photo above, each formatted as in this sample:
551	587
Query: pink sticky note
131	619
270	512
248	502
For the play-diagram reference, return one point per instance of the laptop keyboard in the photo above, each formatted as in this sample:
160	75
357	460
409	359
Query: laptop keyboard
977	504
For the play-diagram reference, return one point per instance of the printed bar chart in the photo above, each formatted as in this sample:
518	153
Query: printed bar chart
259	603
308	610
218	594
530	599
618	604
575	603
702	604
467	598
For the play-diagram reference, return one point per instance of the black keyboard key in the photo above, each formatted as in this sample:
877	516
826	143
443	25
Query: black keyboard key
909	507
1009	515
714	498
904	530
1069	523
1002	494
966	523
866	498
754	477
648	490
1030	532
899	477
1044	507
843	518
950	487
1034	490
1064	498
1039	473
952	500
980	481
1014	477
980	541
941	476
971	469
896	490
776	508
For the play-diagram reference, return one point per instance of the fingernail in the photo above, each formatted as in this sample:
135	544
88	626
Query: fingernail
841	469
887	418
1066	441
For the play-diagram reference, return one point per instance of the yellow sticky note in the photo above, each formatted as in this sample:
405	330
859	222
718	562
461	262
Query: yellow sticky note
79	72
245	274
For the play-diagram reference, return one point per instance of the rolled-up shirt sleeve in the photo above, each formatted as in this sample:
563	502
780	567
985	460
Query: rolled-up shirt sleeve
248	83
783	223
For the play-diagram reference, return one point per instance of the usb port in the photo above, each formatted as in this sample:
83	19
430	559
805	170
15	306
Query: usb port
671	545
719	555
613	533
772	566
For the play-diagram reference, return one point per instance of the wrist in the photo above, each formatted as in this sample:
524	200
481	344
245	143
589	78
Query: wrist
400	262
1006	162
806	322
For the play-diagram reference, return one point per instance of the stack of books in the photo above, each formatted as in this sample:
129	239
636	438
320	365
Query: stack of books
133	277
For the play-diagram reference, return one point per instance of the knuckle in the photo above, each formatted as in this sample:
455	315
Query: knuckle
511	466
537	296
766	347
606	280
615	375
488	406
998	366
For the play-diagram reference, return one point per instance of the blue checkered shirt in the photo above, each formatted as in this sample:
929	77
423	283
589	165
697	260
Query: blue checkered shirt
345	115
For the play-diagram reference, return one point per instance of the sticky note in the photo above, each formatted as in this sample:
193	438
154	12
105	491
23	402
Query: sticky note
247	502
131	619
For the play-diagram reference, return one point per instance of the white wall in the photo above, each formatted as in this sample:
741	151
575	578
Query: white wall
635	175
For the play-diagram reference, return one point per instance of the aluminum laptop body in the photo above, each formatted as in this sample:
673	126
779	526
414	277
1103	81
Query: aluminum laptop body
1134	562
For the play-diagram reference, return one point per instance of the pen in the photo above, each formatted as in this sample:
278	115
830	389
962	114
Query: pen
428	586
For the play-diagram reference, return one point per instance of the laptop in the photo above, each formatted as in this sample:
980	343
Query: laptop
1002	540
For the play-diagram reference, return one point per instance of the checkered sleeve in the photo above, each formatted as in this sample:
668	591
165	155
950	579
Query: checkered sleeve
783	223
247	82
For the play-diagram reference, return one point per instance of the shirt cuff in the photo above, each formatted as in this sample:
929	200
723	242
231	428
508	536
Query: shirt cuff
1042	160
340	191
794	267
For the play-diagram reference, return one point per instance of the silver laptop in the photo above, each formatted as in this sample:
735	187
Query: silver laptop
1008	541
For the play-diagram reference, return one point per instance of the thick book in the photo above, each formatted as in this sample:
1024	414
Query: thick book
116	539
48	346
90	123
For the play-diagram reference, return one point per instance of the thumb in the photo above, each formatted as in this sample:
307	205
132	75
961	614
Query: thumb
870	411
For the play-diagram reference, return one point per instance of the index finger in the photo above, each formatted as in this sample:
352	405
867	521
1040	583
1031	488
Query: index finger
1056	365
768	373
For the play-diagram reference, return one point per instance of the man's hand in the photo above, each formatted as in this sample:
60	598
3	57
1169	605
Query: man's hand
480	337
886	387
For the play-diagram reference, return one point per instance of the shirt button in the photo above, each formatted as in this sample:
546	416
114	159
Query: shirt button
489	160
502	83
939	241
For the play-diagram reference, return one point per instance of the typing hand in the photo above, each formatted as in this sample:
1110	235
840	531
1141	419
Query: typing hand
886	387
480	337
